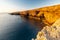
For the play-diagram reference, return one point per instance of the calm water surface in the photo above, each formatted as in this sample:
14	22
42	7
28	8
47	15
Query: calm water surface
14	27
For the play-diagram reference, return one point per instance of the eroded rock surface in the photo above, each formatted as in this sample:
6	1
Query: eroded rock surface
50	32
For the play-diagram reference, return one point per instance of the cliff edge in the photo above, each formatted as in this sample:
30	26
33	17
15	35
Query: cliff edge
47	14
50	32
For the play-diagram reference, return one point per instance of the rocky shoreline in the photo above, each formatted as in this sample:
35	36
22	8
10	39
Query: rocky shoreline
50	16
47	14
50	32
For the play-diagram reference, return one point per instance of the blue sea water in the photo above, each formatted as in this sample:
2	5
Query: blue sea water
14	27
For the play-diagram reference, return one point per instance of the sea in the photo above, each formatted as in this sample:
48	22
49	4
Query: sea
16	27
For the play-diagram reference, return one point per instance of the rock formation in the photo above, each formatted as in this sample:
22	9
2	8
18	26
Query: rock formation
47	14
50	32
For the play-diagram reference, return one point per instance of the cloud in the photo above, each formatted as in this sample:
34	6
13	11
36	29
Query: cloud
7	7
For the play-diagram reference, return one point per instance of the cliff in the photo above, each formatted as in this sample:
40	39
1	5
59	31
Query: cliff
50	32
47	14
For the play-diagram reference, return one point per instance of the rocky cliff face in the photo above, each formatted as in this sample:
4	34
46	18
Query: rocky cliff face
50	32
47	14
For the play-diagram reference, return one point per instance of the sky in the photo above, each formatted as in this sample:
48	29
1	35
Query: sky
21	5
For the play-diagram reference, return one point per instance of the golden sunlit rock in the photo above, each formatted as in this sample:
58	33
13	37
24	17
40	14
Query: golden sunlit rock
50	14
47	14
50	17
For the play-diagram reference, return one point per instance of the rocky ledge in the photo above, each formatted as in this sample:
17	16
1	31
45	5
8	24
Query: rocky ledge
50	32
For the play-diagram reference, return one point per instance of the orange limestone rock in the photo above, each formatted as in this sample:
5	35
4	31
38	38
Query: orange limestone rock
47	14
